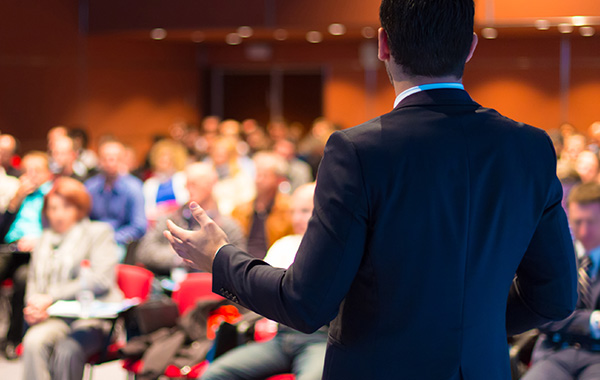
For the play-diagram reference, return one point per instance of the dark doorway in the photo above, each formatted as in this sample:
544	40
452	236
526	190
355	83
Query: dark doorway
295	95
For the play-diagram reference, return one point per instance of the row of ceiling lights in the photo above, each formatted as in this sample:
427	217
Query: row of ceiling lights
244	32
581	22
368	32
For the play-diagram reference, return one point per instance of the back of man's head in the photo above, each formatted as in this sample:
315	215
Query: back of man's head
430	38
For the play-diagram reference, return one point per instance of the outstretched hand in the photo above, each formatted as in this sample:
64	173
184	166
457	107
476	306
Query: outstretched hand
197	247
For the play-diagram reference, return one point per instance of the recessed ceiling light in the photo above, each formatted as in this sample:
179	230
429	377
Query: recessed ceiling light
198	37
233	39
542	24
565	28
368	32
245	31
489	33
314	37
280	34
337	29
579	20
158	34
587	31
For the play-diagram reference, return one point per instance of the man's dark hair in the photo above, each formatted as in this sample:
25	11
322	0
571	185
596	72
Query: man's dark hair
585	194
429	38
79	133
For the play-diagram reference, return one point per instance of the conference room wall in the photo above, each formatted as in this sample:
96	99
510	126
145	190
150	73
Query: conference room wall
50	74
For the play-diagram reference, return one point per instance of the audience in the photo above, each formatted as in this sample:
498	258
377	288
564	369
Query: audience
55	347
165	190
311	148
64	159
117	196
299	172
9	183
154	250
22	222
240	173
20	228
570	349
8	150
573	145
86	160
587	166
54	134
290	350
265	219
236	180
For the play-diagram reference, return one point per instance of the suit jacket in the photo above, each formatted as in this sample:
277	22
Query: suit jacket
575	329
422	218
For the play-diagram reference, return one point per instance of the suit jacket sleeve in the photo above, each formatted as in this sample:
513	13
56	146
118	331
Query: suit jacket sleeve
576	324
309	293
545	285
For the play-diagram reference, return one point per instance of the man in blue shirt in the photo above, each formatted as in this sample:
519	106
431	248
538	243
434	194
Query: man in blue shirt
117	196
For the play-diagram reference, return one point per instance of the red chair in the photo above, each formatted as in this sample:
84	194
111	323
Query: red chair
196	286
286	376
134	282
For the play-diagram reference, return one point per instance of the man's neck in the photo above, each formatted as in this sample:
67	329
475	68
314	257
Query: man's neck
404	82
110	179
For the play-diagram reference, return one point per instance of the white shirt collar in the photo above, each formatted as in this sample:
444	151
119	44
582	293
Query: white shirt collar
431	86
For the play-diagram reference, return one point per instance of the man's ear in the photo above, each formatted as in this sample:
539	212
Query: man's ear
473	46
383	51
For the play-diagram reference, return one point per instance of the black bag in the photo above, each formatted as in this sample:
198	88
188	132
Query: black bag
155	314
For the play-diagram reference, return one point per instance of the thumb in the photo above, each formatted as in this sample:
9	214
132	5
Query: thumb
199	214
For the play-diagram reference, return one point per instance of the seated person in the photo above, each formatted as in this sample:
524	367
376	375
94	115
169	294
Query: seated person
117	197
154	250
20	227
64	160
165	190
8	153
57	348
290	350
265	219
570	349
236	175
9	182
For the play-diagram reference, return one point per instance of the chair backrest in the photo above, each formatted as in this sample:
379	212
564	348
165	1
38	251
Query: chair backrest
134	281
194	287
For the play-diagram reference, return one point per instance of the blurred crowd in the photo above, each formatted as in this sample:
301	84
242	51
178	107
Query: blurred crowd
241	173
577	154
67	204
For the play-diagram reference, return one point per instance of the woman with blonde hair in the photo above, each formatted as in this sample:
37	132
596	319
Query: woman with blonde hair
165	191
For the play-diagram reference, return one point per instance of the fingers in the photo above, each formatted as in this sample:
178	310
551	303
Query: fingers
199	214
175	231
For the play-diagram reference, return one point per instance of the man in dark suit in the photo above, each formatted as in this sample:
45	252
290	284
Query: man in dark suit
422	218
570	349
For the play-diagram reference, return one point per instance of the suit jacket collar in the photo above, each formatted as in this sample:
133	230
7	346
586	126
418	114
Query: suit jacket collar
438	97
